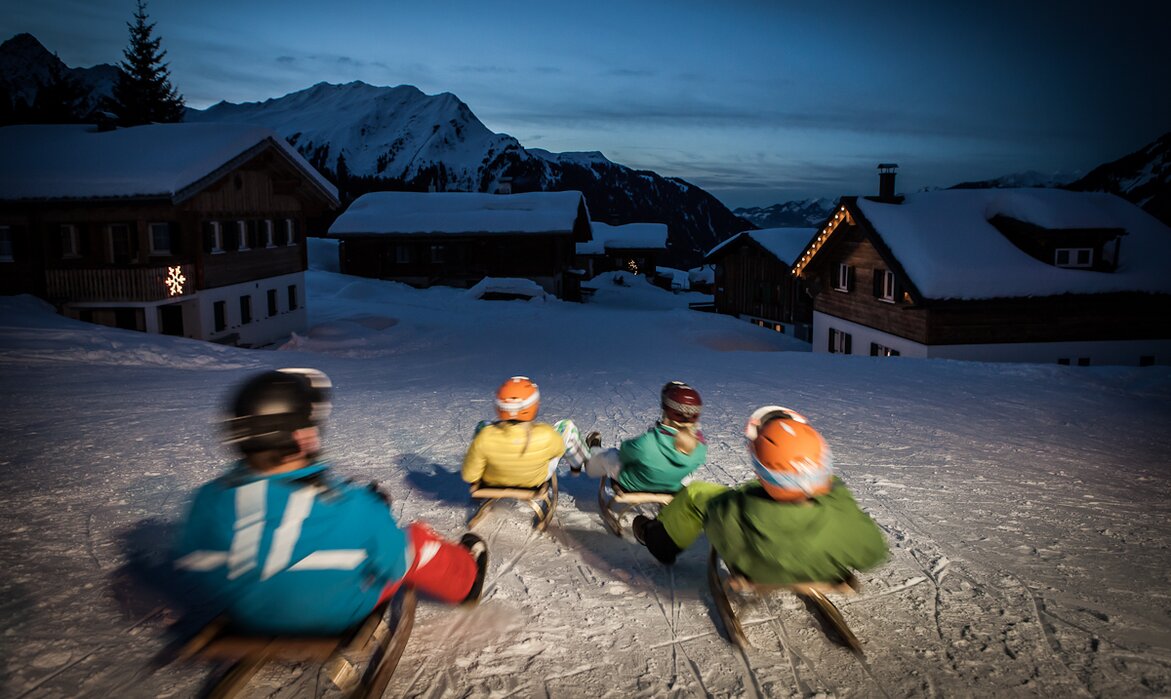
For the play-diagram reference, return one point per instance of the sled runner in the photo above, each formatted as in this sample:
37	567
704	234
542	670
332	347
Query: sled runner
543	500
614	503
722	581
378	643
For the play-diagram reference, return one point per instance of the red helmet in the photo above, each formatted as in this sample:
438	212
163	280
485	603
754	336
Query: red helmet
790	458
518	399
680	402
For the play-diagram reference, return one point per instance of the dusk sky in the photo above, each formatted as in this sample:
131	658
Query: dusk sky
756	102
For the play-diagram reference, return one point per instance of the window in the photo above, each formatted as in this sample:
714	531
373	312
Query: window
5	244
884	285
245	310
254	234
1063	361
845	279
402	254
269	234
438	253
293	297
160	239
877	350
1073	257
241	235
220	310
839	342
1083	361
290	231
1146	360
213	237
70	243
272	309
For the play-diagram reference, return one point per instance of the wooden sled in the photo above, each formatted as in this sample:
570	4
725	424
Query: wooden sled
378	642
722	581
614	503
543	500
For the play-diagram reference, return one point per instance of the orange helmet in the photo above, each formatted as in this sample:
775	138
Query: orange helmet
790	458
518	399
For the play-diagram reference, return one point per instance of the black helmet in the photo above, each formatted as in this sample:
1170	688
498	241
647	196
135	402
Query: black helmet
269	407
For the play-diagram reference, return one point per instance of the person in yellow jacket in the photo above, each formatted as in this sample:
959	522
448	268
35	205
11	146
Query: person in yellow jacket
516	451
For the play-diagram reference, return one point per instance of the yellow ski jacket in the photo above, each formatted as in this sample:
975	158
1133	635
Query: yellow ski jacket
512	454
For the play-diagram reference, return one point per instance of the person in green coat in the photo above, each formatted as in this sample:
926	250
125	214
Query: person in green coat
659	459
796	523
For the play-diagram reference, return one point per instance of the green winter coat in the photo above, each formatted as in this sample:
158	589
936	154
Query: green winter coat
821	539
652	464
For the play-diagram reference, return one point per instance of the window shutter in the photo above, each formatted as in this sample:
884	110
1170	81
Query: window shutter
850	278
846	348
876	283
82	240
832	333
873	349
176	234
899	290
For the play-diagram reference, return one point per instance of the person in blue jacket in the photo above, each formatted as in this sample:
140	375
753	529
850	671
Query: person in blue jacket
285	546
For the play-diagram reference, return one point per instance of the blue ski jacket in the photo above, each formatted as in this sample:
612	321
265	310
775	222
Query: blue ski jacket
302	552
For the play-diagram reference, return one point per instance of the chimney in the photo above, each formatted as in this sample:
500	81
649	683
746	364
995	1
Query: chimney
886	181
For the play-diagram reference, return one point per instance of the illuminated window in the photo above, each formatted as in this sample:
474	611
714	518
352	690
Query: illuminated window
877	350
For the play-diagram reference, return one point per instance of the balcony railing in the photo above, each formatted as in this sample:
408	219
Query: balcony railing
129	284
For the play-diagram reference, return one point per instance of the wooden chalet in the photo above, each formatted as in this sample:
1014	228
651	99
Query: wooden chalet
194	230
459	238
754	280
630	247
1028	275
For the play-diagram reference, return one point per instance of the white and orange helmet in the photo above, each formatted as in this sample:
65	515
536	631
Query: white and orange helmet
518	399
790	458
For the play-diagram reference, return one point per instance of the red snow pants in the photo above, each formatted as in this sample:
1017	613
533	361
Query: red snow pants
441	569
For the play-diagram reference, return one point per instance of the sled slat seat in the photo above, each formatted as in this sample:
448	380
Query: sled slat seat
722	579
543	500
615	502
381	639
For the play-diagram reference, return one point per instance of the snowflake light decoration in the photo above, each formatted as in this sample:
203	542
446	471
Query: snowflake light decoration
175	281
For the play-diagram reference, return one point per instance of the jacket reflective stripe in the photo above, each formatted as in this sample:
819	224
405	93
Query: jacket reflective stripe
286	535
336	559
202	561
250	499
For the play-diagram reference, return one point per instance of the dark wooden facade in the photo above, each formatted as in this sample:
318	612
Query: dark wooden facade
81	253
853	276
752	283
462	260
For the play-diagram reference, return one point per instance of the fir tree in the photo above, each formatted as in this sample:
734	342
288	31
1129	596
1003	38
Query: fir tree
144	93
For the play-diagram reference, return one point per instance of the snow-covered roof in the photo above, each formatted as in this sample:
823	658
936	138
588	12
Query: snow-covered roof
454	213
508	285
626	236
785	244
948	248
77	161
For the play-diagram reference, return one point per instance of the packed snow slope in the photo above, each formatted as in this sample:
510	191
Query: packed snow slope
1026	506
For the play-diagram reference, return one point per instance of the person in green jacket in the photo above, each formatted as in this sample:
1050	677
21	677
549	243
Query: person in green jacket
659	459
796	523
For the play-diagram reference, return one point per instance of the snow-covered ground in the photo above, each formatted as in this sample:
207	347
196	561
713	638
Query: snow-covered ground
1026	506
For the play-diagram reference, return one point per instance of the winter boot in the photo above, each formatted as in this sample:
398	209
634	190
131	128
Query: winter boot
479	550
593	439
653	535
